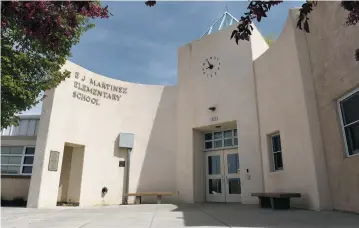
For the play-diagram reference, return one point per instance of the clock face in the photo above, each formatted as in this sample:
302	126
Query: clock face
211	66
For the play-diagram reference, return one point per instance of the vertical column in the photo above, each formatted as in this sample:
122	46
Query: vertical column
44	183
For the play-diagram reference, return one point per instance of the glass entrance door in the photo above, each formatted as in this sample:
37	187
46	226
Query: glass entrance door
214	180
222	176
232	178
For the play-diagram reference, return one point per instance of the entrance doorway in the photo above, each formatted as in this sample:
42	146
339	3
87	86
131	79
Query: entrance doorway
223	183
71	175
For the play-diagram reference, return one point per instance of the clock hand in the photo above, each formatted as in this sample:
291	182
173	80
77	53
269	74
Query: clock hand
210	65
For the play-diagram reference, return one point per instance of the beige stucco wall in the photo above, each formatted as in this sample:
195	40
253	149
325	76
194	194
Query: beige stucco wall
331	45
290	88
163	138
18	140
65	174
232	91
11	186
75	177
66	119
258	43
286	105
158	166
199	174
14	187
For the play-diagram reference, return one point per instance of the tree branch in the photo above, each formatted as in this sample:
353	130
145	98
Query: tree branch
150	3
256	10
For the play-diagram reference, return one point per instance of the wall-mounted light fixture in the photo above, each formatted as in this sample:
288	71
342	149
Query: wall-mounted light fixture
212	108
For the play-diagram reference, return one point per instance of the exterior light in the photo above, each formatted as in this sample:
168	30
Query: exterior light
212	108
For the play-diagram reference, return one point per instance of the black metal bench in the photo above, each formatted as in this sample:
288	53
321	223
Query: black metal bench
275	200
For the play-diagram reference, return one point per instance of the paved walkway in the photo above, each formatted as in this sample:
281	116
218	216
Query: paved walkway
171	216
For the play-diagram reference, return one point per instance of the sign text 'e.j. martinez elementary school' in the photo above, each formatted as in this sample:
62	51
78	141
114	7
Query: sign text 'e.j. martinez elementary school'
112	92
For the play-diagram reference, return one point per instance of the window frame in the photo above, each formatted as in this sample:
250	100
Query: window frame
339	107
22	155
213	140
272	152
14	131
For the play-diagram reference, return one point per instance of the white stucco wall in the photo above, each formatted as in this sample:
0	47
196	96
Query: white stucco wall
66	119
232	91
286	105
15	187
335	73
258	90
65	174
258	43
75	175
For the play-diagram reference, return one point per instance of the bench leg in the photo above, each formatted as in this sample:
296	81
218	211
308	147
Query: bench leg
265	202
280	203
159	199
138	200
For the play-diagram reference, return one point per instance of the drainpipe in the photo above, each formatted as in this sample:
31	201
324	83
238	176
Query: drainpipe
127	176
126	141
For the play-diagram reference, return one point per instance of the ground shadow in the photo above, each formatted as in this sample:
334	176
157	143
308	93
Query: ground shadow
13	203
238	215
158	171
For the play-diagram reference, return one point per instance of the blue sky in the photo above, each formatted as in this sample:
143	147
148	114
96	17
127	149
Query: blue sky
139	43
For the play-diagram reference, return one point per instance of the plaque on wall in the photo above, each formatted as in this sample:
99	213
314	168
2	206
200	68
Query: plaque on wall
54	160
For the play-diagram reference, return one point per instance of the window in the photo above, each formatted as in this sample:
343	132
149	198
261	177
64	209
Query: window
349	113
17	160
26	127
235	137
276	152
217	140
228	138
220	139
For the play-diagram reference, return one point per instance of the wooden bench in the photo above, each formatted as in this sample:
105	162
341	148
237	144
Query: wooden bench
275	200
159	195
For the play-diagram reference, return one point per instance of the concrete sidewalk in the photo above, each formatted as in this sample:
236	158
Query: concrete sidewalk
172	216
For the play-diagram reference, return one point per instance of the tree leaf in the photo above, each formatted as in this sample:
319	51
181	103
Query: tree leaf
299	24
234	33
36	40
306	26
237	38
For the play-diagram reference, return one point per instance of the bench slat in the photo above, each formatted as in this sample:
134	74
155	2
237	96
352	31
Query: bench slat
276	194
151	194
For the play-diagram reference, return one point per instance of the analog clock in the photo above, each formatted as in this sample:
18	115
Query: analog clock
211	66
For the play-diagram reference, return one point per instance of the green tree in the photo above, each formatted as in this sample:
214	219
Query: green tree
269	40
36	39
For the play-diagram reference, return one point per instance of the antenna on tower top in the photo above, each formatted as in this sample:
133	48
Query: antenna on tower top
226	8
